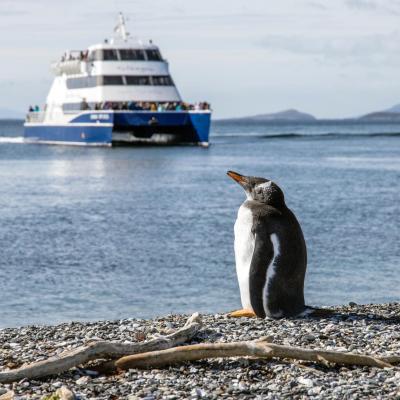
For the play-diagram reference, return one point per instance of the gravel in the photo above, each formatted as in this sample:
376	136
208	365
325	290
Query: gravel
373	329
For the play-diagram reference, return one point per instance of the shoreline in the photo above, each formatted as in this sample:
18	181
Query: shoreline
372	329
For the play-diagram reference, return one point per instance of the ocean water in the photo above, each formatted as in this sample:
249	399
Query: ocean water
100	233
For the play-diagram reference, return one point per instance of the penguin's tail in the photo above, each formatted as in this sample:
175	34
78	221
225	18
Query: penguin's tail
315	312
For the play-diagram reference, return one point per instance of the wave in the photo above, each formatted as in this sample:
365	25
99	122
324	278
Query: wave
332	135
312	135
11	139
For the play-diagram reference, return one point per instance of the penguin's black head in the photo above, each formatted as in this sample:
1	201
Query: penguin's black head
260	189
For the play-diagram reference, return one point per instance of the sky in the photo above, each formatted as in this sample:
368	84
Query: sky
331	58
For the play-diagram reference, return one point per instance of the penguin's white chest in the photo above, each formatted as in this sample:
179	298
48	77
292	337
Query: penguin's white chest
244	249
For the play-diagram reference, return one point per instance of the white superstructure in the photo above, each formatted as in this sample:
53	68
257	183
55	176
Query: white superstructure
119	70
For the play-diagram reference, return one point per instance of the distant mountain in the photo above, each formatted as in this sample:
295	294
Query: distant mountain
391	114
10	114
394	109
286	115
381	116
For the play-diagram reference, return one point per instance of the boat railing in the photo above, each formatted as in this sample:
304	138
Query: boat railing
35	116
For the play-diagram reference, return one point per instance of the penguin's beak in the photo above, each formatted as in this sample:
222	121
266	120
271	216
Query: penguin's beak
241	179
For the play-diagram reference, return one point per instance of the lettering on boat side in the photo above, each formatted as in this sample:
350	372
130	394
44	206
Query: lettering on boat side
99	116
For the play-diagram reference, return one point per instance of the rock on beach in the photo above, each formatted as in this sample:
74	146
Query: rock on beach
374	331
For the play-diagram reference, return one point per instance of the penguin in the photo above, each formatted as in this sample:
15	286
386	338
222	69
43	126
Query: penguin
270	252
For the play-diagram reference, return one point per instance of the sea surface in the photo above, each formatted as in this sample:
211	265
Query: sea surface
106	233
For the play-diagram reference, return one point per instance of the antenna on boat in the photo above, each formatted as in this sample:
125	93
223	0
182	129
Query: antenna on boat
120	28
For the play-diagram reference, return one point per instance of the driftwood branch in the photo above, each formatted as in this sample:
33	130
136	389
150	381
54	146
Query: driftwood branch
259	348
99	350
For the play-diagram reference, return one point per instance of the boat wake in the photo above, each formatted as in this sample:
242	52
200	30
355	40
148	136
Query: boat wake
11	139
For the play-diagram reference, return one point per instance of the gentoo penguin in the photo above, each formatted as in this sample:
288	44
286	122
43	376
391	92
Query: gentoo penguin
270	252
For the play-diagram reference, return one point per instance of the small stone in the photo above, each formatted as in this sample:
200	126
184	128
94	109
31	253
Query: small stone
309	337
305	381
65	394
314	391
198	393
83	380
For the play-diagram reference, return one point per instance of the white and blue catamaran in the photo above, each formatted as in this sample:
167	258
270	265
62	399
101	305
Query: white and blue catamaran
116	92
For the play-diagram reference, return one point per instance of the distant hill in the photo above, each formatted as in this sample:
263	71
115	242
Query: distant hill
286	115
382	116
10	114
391	114
394	109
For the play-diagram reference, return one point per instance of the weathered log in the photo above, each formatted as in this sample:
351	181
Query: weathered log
101	350
8	395
259	348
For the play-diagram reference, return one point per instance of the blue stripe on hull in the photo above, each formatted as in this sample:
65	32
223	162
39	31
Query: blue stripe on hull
94	135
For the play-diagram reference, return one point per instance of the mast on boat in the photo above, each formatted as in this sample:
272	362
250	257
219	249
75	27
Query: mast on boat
120	29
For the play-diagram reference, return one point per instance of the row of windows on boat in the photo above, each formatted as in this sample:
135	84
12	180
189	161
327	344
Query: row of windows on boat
105	80
115	55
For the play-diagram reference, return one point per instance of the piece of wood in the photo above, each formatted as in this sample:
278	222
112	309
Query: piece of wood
101	350
259	348
8	395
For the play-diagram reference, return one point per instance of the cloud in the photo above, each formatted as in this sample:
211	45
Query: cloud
362	4
383	6
317	5
369	48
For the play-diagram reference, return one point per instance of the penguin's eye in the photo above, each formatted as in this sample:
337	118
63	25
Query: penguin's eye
262	186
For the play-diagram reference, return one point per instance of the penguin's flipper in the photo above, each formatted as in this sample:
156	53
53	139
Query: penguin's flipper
262	260
242	313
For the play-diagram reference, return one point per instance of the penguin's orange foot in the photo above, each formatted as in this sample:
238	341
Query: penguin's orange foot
242	313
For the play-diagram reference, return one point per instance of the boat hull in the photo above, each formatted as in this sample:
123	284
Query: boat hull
107	128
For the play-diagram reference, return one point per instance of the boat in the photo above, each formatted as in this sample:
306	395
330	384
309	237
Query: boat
118	92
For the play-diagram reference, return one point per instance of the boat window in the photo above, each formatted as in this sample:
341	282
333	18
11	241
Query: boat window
162	81
71	106
82	82
96	55
131	54
110	54
153	55
110	80
138	80
103	55
77	106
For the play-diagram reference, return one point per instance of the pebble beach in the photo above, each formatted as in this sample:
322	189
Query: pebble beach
371	329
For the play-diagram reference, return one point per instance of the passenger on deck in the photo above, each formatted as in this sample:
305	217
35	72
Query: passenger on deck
133	106
31	109
37	109
153	107
84	104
